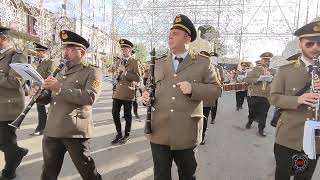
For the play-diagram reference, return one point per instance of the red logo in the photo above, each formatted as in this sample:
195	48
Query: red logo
300	163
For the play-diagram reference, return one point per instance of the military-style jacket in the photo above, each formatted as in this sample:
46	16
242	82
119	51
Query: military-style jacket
218	73
146	72
46	68
221	73
11	92
290	79
239	73
70	112
257	88
177	118
124	88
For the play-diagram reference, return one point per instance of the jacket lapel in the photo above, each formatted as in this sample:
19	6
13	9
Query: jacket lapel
185	63
5	53
128	62
168	65
2	56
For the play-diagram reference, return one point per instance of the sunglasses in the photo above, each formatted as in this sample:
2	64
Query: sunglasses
310	44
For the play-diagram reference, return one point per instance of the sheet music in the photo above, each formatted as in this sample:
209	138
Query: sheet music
309	139
240	78
267	78
27	72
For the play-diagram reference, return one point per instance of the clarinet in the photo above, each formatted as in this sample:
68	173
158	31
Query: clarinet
315	76
151	90
40	93
118	75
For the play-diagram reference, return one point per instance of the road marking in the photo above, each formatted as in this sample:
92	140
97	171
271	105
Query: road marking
143	175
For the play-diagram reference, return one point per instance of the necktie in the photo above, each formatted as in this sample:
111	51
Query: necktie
310	68
124	62
179	59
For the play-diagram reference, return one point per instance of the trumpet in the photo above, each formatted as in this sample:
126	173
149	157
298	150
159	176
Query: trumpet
35	98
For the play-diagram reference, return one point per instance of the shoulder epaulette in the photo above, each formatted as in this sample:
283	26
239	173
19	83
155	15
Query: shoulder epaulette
201	54
160	57
18	51
295	63
93	65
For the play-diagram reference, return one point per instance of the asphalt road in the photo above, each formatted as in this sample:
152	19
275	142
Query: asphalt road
231	152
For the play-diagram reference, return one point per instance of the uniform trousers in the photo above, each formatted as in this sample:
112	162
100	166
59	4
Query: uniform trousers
240	96
8	145
206	112
42	117
214	111
54	150
162	159
116	107
258	110
284	164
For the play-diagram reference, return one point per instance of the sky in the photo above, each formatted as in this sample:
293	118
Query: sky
103	8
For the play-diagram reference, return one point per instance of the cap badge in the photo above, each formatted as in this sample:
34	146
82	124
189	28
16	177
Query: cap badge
64	35
317	27
178	19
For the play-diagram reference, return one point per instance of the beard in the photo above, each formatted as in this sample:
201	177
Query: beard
310	55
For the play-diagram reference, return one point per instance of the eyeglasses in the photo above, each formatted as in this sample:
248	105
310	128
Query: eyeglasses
310	44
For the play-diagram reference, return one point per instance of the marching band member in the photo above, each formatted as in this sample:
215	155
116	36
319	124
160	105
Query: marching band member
183	81
70	124
289	80
259	92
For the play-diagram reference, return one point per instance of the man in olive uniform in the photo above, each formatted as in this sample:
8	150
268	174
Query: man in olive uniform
127	72
209	105
70	125
45	67
259	92
251	108
183	81
137	89
146	74
214	59
289	80
11	104
241	95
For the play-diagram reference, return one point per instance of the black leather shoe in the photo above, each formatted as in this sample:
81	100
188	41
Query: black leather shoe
237	109
248	125
212	122
116	139
124	139
136	115
262	133
7	175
